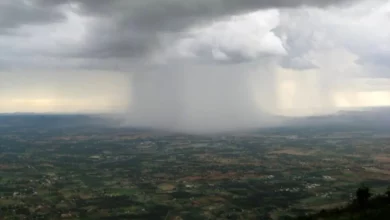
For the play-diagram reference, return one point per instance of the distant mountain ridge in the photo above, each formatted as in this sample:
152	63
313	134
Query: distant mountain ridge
378	118
33	120
366	117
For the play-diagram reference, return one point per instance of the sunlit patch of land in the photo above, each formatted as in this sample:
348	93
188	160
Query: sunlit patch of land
296	152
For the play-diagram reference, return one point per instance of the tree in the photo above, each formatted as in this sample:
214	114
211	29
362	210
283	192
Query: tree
388	192
363	194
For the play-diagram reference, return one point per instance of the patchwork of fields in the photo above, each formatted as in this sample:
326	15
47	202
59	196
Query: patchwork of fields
128	174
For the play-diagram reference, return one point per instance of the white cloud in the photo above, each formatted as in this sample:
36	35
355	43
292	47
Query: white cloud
360	28
240	37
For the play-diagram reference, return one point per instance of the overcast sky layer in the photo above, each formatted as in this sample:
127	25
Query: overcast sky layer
194	65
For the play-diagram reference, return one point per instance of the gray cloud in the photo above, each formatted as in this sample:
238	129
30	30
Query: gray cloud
297	63
133	28
378	58
15	13
201	94
176	14
125	29
307	32
376	66
301	34
157	12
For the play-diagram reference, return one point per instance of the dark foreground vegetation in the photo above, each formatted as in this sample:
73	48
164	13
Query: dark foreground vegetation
365	206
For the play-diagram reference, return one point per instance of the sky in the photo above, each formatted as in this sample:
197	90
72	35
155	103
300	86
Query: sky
194	64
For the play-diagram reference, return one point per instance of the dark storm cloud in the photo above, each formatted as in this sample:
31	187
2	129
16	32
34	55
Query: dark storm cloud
120	44
15	13
155	10
132	28
173	15
176	14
